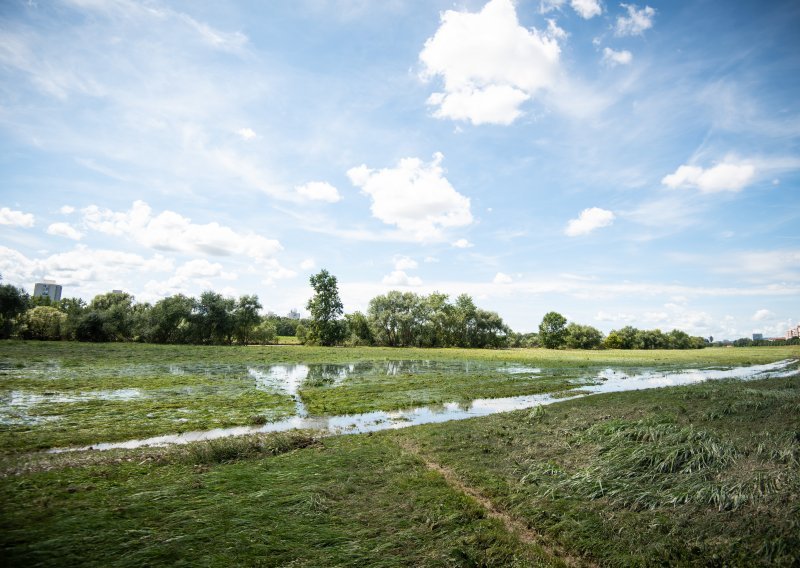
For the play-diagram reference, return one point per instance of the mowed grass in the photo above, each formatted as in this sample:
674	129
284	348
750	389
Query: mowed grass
702	475
186	388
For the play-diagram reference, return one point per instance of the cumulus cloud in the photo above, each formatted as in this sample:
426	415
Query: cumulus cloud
80	266
636	22
400	278
66	210
307	264
725	176
318	191
502	278
589	220
462	244
171	231
15	218
762	315
587	9
613	58
414	196
202	268
404	263
64	230
489	63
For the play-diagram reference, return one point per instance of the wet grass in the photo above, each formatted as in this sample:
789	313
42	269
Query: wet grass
185	388
707	474
338	502
699	475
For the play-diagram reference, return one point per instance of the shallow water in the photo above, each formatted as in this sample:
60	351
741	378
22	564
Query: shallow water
605	381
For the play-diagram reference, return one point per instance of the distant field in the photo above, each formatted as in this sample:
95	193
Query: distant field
287	340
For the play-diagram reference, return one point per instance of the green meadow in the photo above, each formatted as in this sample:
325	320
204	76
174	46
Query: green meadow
705	474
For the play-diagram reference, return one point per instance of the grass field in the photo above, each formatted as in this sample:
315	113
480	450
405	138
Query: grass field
73	394
698	475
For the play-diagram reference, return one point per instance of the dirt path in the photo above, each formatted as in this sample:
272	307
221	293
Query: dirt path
512	524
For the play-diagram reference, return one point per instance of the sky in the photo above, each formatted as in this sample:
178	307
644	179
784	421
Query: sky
622	164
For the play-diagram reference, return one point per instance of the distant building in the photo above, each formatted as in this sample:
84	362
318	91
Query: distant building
758	336
117	292
48	289
793	332
294	314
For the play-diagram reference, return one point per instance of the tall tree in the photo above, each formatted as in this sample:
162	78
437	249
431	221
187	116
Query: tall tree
326	326
13	302
553	330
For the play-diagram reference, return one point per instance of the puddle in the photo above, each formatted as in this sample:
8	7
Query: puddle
605	381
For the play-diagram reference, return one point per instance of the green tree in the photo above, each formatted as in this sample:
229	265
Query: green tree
583	337
212	319
325	327
246	318
264	333
115	309
553	330
13	302
43	322
358	330
74	309
169	320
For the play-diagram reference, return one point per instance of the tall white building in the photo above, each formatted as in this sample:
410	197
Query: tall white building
47	288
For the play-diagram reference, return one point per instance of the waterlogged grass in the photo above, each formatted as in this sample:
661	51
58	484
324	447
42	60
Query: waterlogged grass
55	394
707	474
430	383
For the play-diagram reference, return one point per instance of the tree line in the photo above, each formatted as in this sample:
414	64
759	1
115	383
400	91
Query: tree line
394	319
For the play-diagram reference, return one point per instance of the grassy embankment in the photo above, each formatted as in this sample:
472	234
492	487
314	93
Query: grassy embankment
147	390
707	474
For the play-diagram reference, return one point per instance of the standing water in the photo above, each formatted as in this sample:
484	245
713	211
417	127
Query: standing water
290	377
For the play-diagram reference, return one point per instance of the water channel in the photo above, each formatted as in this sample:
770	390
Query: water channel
288	378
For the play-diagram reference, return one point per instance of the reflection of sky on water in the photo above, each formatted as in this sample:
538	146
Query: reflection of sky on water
606	381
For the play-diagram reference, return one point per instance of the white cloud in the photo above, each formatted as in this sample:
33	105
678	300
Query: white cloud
64	230
80	267
762	315
246	133
171	231
66	210
489	63
502	278
587	9
462	244
318	191
202	268
400	278
637	21
613	58
725	176
15	218
404	263
430	259
414	196
308	264
589	220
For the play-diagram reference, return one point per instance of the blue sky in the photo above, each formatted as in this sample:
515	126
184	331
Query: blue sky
619	163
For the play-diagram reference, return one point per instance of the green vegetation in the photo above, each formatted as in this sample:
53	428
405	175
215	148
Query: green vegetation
699	475
326	326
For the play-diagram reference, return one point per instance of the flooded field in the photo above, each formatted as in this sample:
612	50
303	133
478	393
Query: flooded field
290	377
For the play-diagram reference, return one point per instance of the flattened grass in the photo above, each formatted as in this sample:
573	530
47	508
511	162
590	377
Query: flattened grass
699	475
